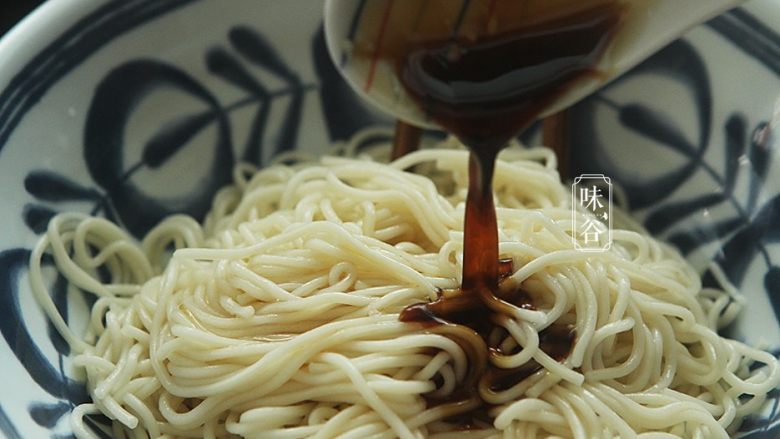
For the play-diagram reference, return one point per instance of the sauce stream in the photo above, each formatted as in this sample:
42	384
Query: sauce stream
485	72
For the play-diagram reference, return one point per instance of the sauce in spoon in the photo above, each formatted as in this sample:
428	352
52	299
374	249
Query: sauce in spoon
485	72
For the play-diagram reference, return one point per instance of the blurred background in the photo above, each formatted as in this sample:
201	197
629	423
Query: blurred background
11	11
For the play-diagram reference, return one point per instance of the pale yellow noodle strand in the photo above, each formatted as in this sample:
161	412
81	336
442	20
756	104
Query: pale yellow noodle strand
278	317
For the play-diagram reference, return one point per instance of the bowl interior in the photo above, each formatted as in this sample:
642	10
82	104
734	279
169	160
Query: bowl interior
138	111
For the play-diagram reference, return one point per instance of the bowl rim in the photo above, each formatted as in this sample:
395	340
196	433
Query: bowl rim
49	24
38	29
50	42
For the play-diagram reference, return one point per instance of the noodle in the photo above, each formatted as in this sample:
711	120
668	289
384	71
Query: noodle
278	317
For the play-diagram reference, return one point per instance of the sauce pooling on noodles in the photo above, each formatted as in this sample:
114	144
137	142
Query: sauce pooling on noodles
486	79
278	317
470	311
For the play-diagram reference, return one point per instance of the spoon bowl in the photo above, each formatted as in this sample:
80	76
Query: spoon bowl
646	27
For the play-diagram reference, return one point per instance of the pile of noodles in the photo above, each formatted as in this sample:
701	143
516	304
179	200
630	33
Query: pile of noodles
278	316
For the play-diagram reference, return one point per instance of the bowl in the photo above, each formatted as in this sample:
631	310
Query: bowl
136	110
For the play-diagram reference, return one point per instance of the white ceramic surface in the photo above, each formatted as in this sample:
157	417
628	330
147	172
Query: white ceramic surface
652	24
136	109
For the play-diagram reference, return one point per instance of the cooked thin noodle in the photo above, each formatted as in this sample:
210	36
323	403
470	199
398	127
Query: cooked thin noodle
278	317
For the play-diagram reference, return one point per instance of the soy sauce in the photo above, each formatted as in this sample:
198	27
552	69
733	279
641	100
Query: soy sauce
484	71
406	139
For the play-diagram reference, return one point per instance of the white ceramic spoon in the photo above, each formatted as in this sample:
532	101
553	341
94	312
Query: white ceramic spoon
649	26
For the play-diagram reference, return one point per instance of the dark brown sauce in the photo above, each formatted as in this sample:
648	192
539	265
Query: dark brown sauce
555	135
486	91
556	341
458	308
406	139
484	71
506	266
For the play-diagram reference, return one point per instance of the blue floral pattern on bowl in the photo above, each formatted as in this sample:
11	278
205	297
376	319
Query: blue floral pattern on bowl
697	169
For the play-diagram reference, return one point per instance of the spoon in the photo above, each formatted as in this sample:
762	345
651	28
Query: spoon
647	26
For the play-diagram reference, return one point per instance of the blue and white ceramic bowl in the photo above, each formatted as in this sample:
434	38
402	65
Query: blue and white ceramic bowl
137	109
